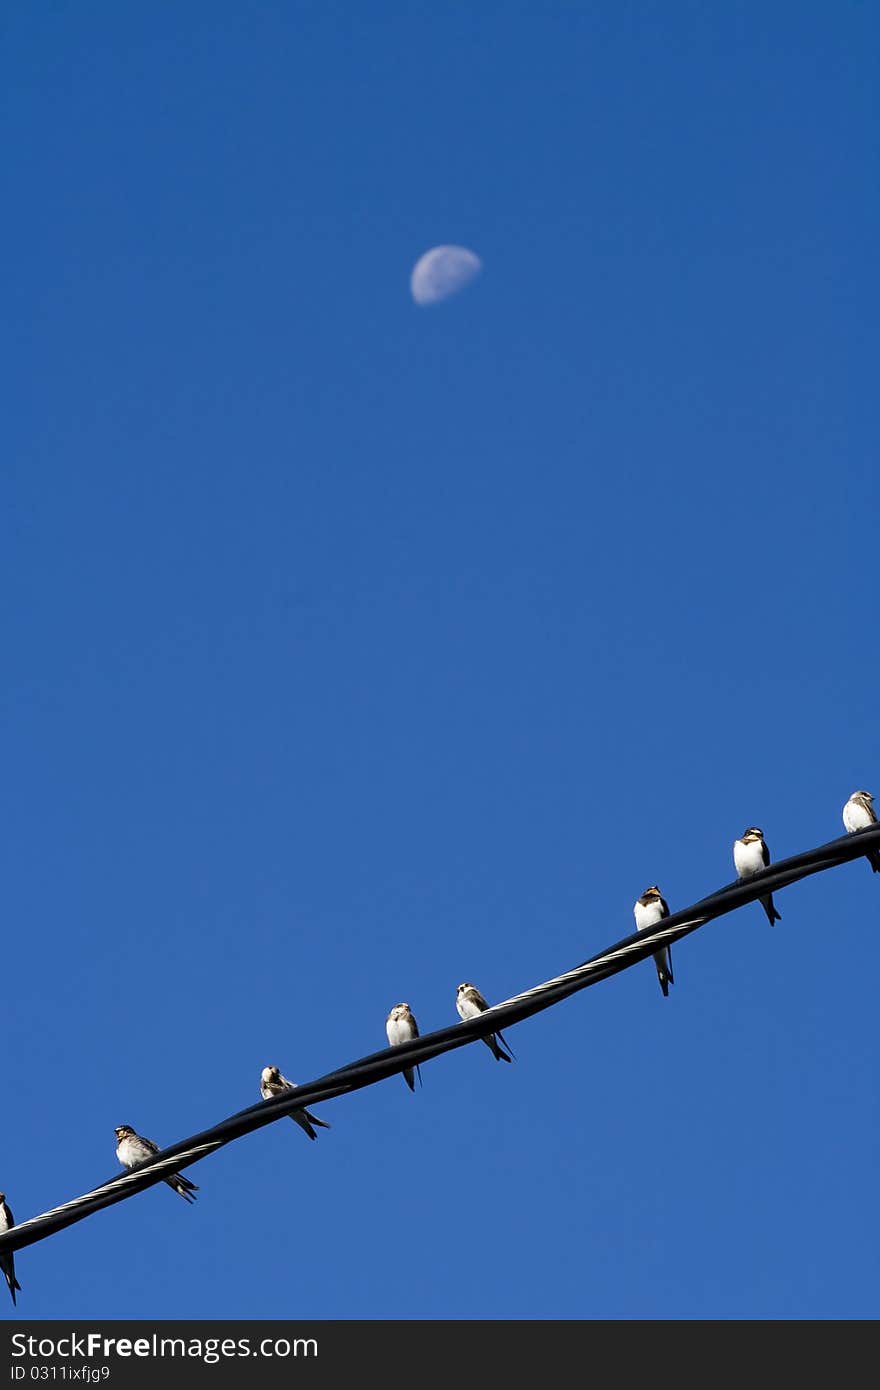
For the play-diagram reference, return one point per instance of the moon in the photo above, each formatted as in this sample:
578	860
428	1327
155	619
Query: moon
443	271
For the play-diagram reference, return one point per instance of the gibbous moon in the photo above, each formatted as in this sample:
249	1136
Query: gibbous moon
442	271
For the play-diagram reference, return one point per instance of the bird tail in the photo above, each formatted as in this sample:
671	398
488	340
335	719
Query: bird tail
663	962
322	1124
770	908
496	1049
12	1282
305	1119
874	860
302	1118
409	1078
182	1185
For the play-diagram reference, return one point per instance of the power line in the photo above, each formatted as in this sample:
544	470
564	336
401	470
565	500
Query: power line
366	1071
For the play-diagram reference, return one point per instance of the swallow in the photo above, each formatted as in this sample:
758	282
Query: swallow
272	1083
132	1149
650	909
401	1027
470	1004
7	1262
751	855
858	814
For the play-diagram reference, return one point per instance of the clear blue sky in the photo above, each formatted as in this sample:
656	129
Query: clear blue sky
352	649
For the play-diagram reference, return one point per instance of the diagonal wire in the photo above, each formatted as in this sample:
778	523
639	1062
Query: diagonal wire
366	1071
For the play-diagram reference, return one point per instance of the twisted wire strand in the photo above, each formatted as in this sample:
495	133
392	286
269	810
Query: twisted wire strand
366	1071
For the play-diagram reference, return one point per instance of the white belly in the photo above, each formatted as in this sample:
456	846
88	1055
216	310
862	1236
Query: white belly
129	1153
748	858
647	914
855	817
399	1031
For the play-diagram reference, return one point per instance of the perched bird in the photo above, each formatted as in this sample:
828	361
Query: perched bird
7	1262
272	1083
401	1027
650	909
470	1004
858	814
751	855
132	1149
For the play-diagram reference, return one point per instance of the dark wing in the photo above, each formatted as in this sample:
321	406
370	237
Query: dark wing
765	853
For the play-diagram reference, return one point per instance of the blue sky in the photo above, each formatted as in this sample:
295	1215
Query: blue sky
354	649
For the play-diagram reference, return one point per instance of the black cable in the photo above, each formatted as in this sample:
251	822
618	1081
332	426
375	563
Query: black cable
379	1065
